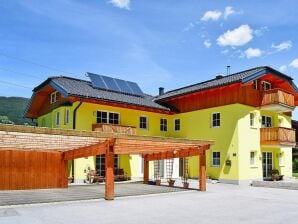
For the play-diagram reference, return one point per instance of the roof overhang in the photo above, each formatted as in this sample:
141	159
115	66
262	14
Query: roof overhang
76	144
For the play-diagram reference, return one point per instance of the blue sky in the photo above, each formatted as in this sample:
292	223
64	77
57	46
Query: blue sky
167	43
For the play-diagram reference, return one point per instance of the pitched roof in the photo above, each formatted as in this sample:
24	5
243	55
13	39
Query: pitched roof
75	87
243	77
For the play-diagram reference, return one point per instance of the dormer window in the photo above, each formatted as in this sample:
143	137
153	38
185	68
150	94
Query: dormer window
266	85
54	97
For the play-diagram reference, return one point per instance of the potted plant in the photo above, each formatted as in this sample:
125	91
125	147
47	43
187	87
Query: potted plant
70	180
171	182
158	181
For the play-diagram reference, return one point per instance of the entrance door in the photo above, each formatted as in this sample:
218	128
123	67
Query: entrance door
267	163
101	164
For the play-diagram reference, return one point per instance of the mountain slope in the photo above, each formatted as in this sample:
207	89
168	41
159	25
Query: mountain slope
13	108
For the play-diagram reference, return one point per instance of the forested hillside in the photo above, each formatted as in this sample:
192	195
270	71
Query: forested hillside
12	110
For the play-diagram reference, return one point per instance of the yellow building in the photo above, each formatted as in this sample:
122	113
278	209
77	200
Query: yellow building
247	114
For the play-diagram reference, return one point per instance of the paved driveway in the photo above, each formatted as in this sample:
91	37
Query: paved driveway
221	203
75	193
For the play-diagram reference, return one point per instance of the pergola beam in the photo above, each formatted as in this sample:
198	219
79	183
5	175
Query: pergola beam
91	150
177	153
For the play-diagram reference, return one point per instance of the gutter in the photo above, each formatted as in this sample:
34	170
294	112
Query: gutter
74	127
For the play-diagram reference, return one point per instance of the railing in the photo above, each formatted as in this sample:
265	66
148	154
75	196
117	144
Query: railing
278	96
278	135
114	128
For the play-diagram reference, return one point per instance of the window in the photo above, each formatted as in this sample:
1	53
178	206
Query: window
66	117
252	118
57	119
104	117
100	164
281	159
43	122
215	121
54	97
143	122
255	83
266	85
215	158
266	122
163	124
113	118
253	160
177	125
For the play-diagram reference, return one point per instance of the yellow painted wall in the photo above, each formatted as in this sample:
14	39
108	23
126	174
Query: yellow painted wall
235	139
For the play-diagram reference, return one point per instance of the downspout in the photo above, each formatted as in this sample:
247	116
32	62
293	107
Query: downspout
74	127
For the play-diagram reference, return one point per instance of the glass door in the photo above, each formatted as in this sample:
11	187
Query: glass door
267	163
101	164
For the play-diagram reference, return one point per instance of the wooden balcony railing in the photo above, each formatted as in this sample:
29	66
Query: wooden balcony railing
278	96
278	136
114	128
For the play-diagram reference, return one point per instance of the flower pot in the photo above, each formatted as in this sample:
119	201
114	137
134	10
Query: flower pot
70	179
185	185
171	183
158	182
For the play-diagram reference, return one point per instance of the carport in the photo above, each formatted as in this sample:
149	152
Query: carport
36	158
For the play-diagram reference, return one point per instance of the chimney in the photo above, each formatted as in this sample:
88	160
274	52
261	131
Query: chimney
219	76
228	70
161	91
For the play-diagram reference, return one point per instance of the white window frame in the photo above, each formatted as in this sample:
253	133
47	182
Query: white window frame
108	117
54	97
212	120
252	120
255	84
212	159
254	164
174	125
66	116
165	125
147	123
265	82
57	118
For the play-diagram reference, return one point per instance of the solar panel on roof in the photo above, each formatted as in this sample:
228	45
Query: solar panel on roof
110	82
97	81
118	85
123	86
135	88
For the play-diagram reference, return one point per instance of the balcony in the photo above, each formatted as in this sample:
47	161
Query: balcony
277	100
114	128
277	136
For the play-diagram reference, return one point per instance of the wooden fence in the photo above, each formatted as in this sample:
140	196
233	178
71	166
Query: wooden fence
20	169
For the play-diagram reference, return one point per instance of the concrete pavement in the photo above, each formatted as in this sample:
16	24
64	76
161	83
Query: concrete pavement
222	203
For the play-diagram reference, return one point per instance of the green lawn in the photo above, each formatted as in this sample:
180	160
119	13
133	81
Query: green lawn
295	175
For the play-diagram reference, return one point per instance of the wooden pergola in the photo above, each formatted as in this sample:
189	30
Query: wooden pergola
71	144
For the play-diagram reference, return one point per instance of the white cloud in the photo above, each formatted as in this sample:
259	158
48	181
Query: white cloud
228	11
123	4
253	52
207	43
211	15
260	32
294	63
283	68
237	37
283	46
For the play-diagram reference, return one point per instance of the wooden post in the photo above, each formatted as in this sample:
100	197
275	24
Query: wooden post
202	180
146	169
109	184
